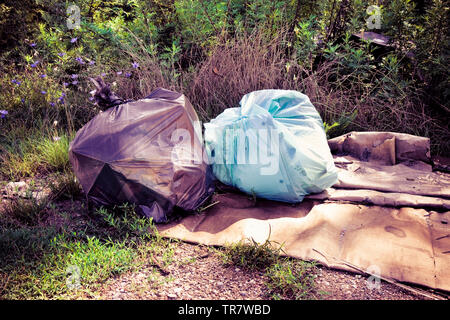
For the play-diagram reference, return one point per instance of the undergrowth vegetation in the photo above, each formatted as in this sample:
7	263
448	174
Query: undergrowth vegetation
217	51
47	253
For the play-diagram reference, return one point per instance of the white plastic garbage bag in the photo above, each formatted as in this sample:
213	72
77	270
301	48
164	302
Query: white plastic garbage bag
273	146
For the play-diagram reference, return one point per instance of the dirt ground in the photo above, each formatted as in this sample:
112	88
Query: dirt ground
198	273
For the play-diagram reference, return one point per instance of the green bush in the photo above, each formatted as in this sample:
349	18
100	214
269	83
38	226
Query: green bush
216	51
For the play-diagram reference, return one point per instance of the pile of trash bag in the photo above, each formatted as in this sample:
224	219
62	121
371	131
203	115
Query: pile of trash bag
150	152
273	146
131	153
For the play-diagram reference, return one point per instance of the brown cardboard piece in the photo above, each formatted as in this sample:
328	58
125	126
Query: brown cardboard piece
367	219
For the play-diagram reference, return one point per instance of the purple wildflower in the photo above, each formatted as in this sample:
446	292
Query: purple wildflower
61	54
75	82
73	40
35	64
33	45
80	60
135	65
119	73
92	62
103	74
127	74
52	104
91	98
74	76
44	92
23	100
65	84
3	113
43	76
14	81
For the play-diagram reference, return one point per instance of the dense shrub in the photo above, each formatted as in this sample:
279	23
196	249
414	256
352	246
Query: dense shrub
216	51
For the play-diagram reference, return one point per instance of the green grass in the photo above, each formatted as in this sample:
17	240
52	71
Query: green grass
54	152
24	154
286	278
73	258
51	277
291	279
251	255
25	211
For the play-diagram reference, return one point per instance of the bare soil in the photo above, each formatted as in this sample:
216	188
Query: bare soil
198	273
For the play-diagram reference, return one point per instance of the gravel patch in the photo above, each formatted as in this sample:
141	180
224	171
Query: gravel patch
198	273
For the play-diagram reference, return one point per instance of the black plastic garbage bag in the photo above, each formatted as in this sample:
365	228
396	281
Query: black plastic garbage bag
146	152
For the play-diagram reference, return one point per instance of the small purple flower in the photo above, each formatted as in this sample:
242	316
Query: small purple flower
75	82
35	64
14	81
61	54
3	113
127	74
44	92
43	76
73	40
63	95
65	84
103	74
92	62
80	60
91	98
23	100
74	76
33	45
52	104
135	65
119	73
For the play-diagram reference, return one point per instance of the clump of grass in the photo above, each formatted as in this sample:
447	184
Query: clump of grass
24	154
291	279
286	278
54	152
18	157
252	256
243	64
25	212
126	222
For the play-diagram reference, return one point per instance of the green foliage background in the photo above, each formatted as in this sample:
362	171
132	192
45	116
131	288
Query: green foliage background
173	40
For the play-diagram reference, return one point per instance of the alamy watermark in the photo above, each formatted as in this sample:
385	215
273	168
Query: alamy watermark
374	280
238	146
74	16
74	276
374	20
